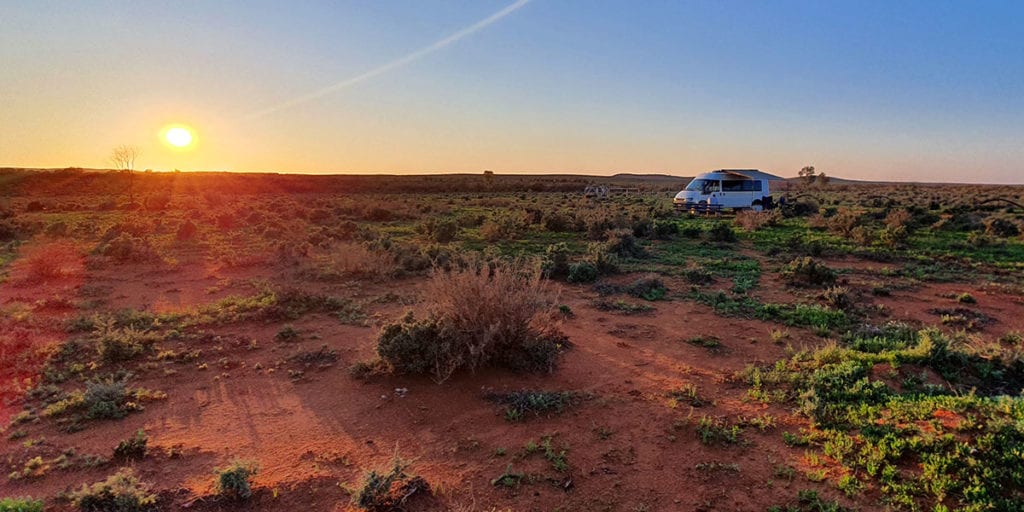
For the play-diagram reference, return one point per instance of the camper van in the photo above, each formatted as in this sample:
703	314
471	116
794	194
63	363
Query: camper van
739	189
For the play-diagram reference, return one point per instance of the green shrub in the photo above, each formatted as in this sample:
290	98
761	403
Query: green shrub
20	505
556	260
721	232
604	261
691	232
121	492
622	243
106	400
665	229
235	481
412	346
582	272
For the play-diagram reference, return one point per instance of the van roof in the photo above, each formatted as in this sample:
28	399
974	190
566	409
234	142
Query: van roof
750	174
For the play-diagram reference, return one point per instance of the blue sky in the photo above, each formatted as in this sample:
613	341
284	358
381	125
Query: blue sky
907	90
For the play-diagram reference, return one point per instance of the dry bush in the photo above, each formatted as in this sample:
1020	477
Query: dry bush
356	260
898	219
50	260
753	221
484	313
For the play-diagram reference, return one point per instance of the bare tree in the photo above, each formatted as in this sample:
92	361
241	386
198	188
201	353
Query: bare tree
123	158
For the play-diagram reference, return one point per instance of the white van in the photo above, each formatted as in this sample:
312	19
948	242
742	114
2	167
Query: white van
739	189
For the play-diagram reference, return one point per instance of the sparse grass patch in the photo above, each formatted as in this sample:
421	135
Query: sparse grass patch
687	394
518	404
711	430
322	358
809	501
709	342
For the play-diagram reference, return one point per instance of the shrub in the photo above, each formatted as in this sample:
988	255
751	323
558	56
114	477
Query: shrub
721	232
698	275
691	232
650	288
894	237
801	208
502	227
115	345
807	272
287	333
235	481
389	490
482	314
603	261
556	260
441	231
753	221
133	447
121	492
105	400
665	229
52	260
1001	228
898	219
20	505
557	221
412	346
838	297
623	244
127	248
582	272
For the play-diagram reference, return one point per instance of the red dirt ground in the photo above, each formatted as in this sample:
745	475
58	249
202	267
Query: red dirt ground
313	437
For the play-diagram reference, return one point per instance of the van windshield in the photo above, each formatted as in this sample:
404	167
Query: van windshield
704	186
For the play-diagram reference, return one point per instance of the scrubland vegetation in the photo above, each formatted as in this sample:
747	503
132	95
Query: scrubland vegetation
858	349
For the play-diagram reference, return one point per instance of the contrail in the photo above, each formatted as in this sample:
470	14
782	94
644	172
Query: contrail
397	63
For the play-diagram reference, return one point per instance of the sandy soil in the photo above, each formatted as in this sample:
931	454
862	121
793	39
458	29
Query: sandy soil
629	446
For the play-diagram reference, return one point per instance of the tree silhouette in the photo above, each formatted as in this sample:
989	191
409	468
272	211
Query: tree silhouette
123	158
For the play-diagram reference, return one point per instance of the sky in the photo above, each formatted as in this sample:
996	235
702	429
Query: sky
874	90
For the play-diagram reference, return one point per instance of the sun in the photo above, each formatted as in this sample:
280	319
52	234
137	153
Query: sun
178	136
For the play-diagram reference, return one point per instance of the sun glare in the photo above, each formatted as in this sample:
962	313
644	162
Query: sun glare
178	136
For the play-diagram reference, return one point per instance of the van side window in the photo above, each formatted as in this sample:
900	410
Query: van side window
752	186
733	185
